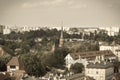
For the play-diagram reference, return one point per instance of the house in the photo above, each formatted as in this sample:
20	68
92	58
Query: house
13	65
114	48
100	70
72	59
85	57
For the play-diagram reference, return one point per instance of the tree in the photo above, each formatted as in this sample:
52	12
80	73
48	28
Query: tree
59	55
3	61
77	68
55	59
32	65
2	64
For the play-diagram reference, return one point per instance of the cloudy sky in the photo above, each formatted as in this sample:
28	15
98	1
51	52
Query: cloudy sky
52	12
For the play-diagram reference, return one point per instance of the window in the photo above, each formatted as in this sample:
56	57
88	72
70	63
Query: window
12	66
96	72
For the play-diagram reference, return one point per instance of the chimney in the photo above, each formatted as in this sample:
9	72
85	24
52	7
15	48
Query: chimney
102	58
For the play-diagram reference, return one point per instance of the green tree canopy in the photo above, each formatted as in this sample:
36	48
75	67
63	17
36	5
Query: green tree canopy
77	68
32	65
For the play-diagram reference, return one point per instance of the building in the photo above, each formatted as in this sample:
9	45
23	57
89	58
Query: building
85	57
61	41
70	59
114	48
6	30
13	65
100	71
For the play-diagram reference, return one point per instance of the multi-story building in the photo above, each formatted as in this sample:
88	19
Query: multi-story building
100	71
114	48
85	57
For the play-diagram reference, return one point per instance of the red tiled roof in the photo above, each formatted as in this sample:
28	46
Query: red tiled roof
91	54
13	61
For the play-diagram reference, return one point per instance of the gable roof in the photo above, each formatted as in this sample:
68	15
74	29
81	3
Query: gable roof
91	54
13	61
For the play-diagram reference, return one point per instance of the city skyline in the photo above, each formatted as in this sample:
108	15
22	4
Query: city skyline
73	13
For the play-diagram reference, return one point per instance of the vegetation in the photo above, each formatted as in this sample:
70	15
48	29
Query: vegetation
3	63
34	48
55	59
32	65
77	68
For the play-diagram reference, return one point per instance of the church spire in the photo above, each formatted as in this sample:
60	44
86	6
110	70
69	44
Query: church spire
61	41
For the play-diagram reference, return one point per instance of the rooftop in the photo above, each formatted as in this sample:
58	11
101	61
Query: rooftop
13	61
101	65
91	54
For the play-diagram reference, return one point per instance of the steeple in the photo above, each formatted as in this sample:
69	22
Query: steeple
61	41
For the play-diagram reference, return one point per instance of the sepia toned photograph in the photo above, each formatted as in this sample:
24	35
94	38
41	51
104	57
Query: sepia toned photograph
59	39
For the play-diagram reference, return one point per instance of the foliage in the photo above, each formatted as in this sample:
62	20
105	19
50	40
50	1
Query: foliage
77	68
3	63
32	65
85	46
55	59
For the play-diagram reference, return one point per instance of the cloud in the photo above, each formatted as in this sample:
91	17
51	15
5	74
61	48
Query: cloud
45	3
55	3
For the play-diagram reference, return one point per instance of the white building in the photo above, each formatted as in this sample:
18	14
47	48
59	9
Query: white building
114	48
69	60
100	71
85	57
6	31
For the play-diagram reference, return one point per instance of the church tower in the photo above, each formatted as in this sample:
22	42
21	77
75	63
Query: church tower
61	40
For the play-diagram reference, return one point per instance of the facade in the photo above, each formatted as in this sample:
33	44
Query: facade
69	60
85	57
100	71
6	31
13	65
114	48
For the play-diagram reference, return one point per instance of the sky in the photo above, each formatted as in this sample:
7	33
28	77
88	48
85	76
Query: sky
50	13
